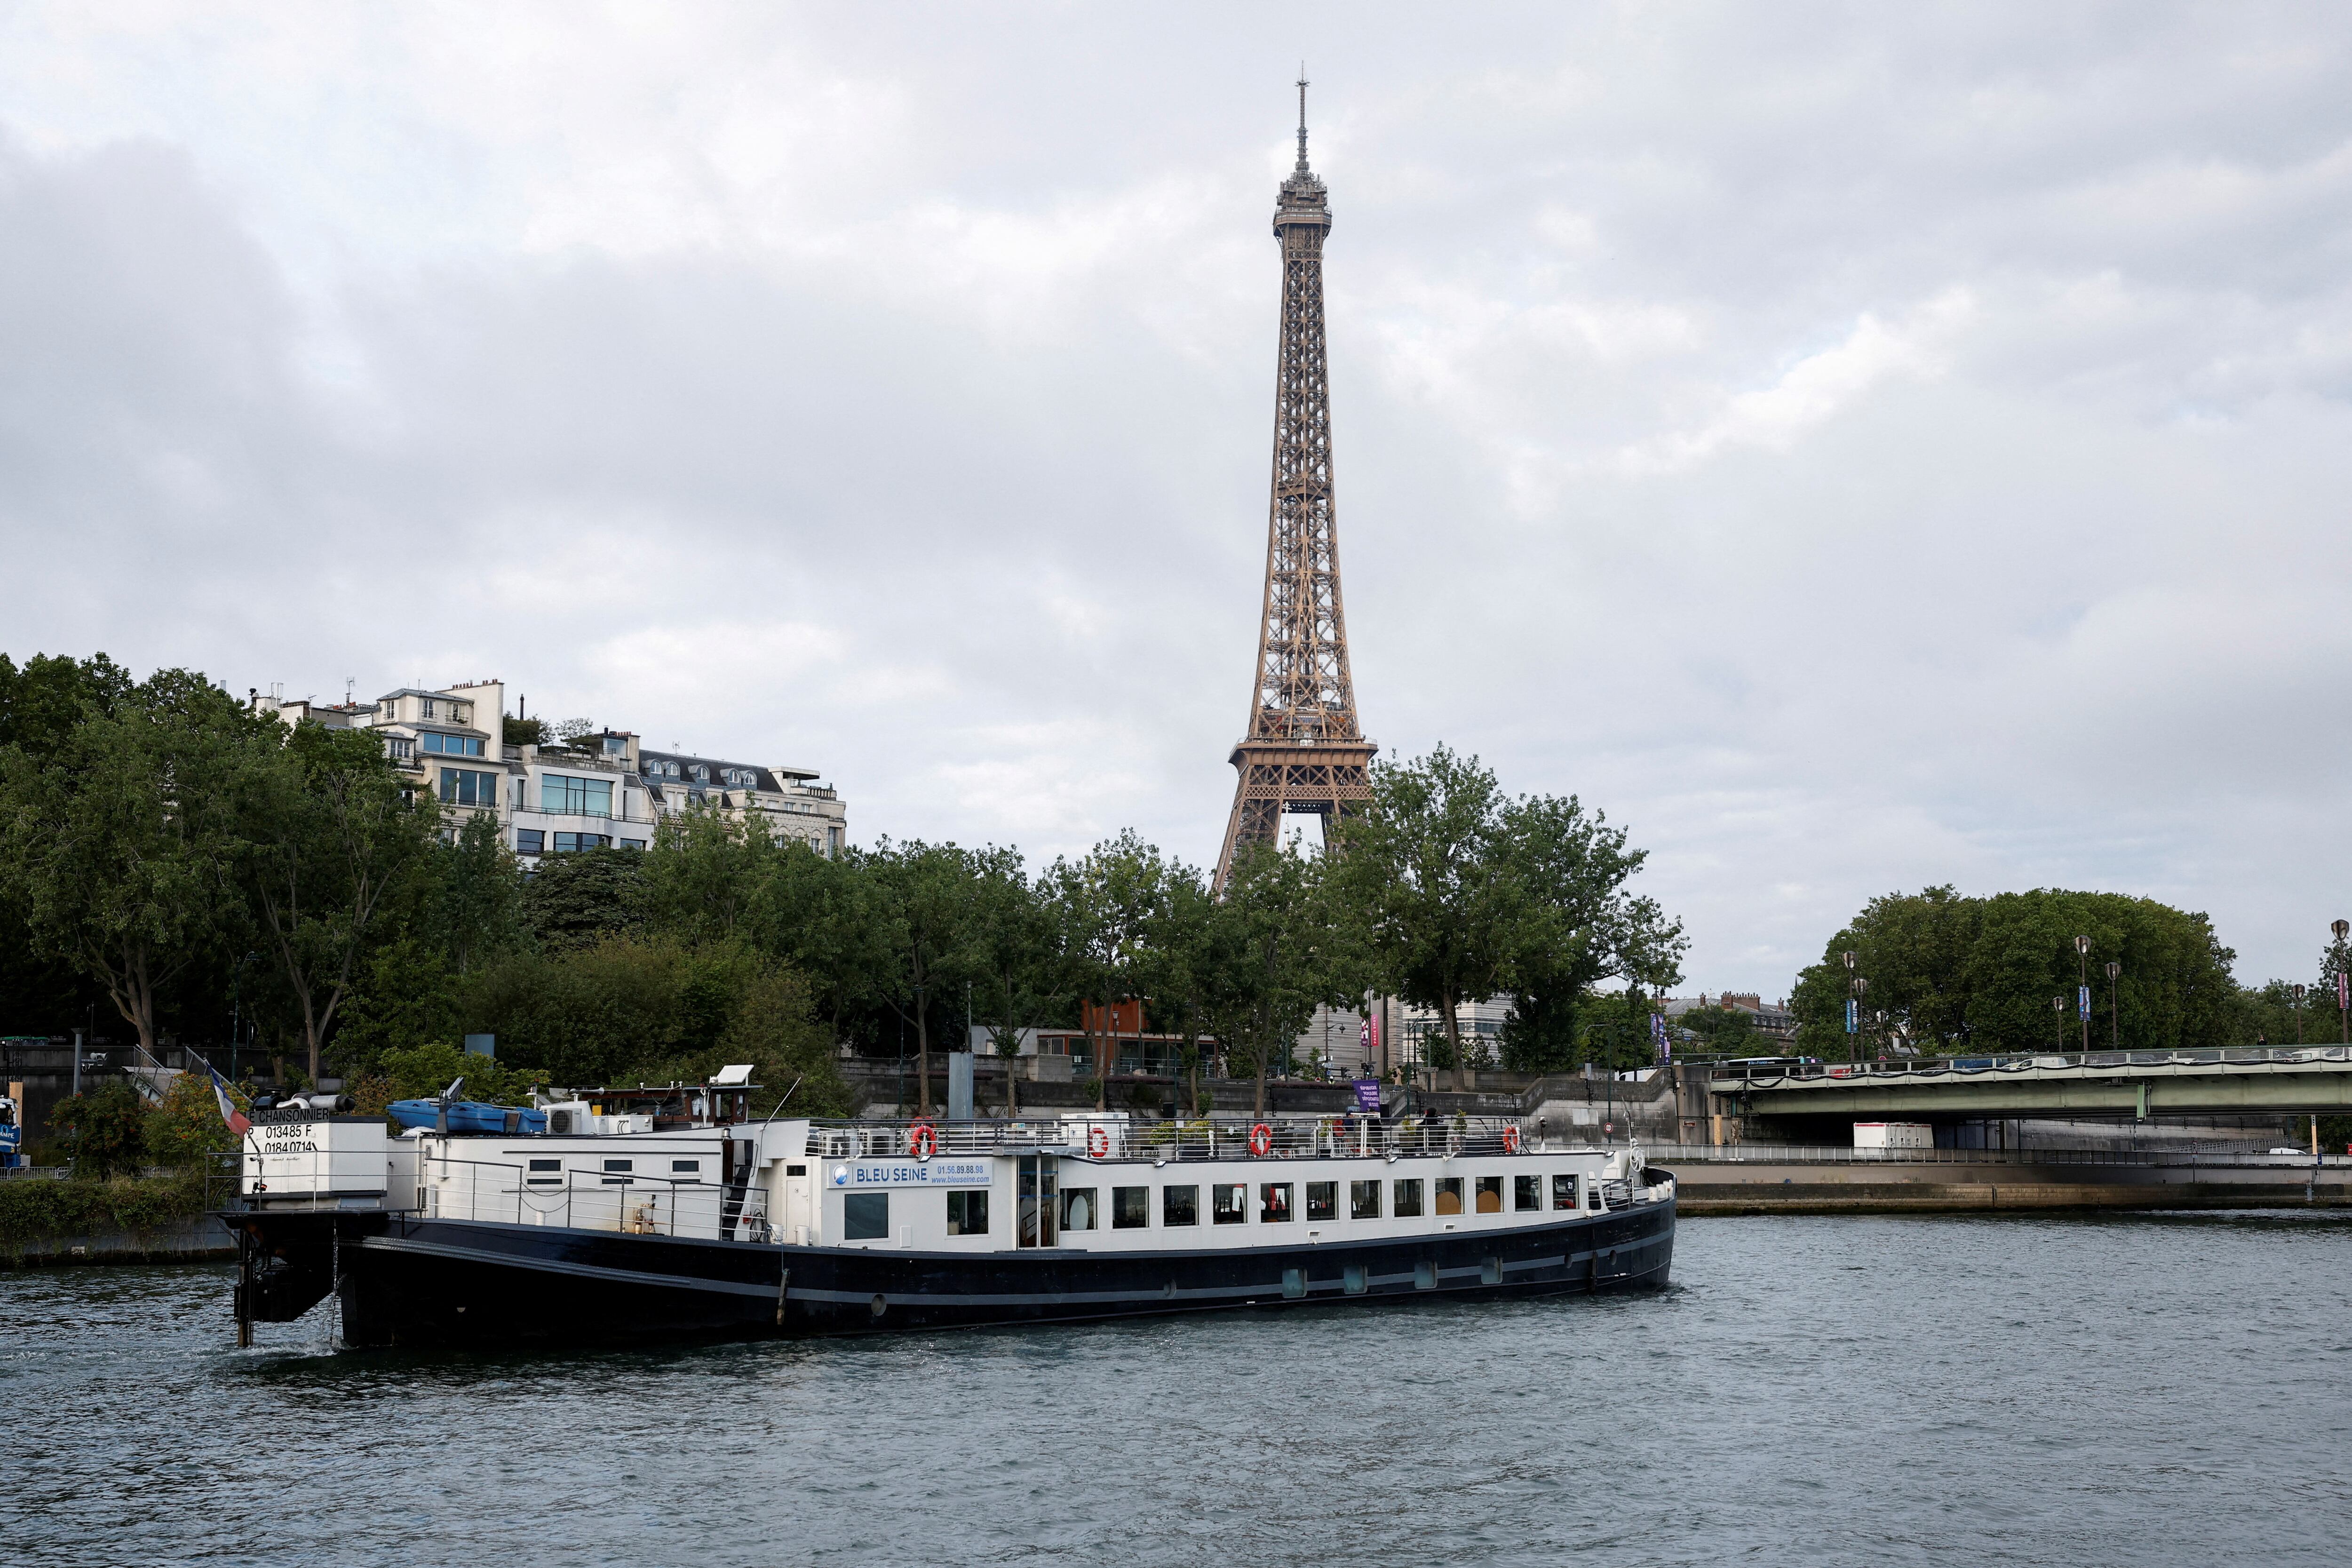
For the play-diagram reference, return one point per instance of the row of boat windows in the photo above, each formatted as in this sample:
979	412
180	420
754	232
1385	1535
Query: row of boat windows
615	1173
866	1216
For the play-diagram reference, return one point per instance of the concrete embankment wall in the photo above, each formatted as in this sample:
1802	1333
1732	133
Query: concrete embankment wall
191	1241
1711	1188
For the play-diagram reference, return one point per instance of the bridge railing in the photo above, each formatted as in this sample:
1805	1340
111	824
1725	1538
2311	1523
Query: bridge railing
1765	1074
1671	1154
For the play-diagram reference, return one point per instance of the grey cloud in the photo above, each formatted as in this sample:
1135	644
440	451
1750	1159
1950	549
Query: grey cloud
1855	453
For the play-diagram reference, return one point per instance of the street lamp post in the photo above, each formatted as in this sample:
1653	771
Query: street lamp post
2114	1027
2298	1013
2058	1012
2083	987
1852	1005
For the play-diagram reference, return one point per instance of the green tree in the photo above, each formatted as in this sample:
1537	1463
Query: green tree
424	1071
2321	996
1012	958
770	1026
591	1017
1718	1031
474	886
580	900
821	916
1583	926
105	1128
42	704
1953	975
924	896
185	1126
1271	952
116	838
1429	875
704	874
1106	906
328	835
1182	955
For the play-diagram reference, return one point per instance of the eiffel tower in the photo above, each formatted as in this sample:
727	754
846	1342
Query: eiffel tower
1303	749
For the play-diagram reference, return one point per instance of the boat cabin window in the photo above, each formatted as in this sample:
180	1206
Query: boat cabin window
684	1167
1229	1203
1179	1205
1078	1210
616	1172
1490	1194
1527	1193
546	1173
1274	1203
1563	1192
865	1216
1131	1208
967	1214
1408	1198
1449	1194
1322	1200
1363	1200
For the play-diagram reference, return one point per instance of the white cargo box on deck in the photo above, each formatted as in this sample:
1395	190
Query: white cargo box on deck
317	1158
1894	1135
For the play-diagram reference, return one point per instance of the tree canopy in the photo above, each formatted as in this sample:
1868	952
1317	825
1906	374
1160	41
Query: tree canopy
1950	975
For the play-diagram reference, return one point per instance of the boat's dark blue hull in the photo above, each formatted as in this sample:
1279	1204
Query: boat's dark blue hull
405	1281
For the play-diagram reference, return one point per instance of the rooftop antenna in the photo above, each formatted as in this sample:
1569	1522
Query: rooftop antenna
349	682
1302	117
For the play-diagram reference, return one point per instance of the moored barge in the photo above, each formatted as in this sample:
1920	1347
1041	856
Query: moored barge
668	1213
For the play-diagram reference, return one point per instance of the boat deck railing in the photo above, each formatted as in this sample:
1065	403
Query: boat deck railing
1216	1138
506	1191
637	1205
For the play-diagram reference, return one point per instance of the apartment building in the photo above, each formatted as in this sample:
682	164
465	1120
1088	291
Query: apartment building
599	790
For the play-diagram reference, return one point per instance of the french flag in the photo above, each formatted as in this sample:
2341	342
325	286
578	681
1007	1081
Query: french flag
239	1122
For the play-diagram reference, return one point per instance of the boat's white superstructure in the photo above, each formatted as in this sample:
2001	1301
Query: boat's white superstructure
939	1223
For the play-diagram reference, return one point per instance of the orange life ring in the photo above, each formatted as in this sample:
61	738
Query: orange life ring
925	1140
1098	1143
1510	1139
1261	1139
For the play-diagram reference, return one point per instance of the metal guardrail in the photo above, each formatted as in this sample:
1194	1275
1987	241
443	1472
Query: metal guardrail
1290	1136
504	1191
635	1204
1764	1075
1838	1154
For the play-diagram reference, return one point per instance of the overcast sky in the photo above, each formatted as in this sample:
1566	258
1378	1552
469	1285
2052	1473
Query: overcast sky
1856	448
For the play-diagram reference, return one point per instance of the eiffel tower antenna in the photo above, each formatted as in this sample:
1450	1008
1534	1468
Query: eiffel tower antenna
1302	117
1303	749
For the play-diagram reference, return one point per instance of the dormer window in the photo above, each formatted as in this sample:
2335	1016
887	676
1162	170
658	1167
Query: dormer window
701	773
459	713
424	707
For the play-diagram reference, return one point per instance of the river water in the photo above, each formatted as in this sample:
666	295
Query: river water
2147	1390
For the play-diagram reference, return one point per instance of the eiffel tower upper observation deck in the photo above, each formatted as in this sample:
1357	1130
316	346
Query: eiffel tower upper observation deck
1303	749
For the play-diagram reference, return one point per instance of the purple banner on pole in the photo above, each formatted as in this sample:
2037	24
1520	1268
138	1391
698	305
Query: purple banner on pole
1367	1096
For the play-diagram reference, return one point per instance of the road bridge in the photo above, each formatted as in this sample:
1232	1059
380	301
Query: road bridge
2304	1080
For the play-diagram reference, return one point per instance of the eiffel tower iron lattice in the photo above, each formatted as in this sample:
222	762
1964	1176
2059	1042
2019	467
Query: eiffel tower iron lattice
1304	750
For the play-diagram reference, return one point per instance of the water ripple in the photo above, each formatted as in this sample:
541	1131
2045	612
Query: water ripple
2150	1390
